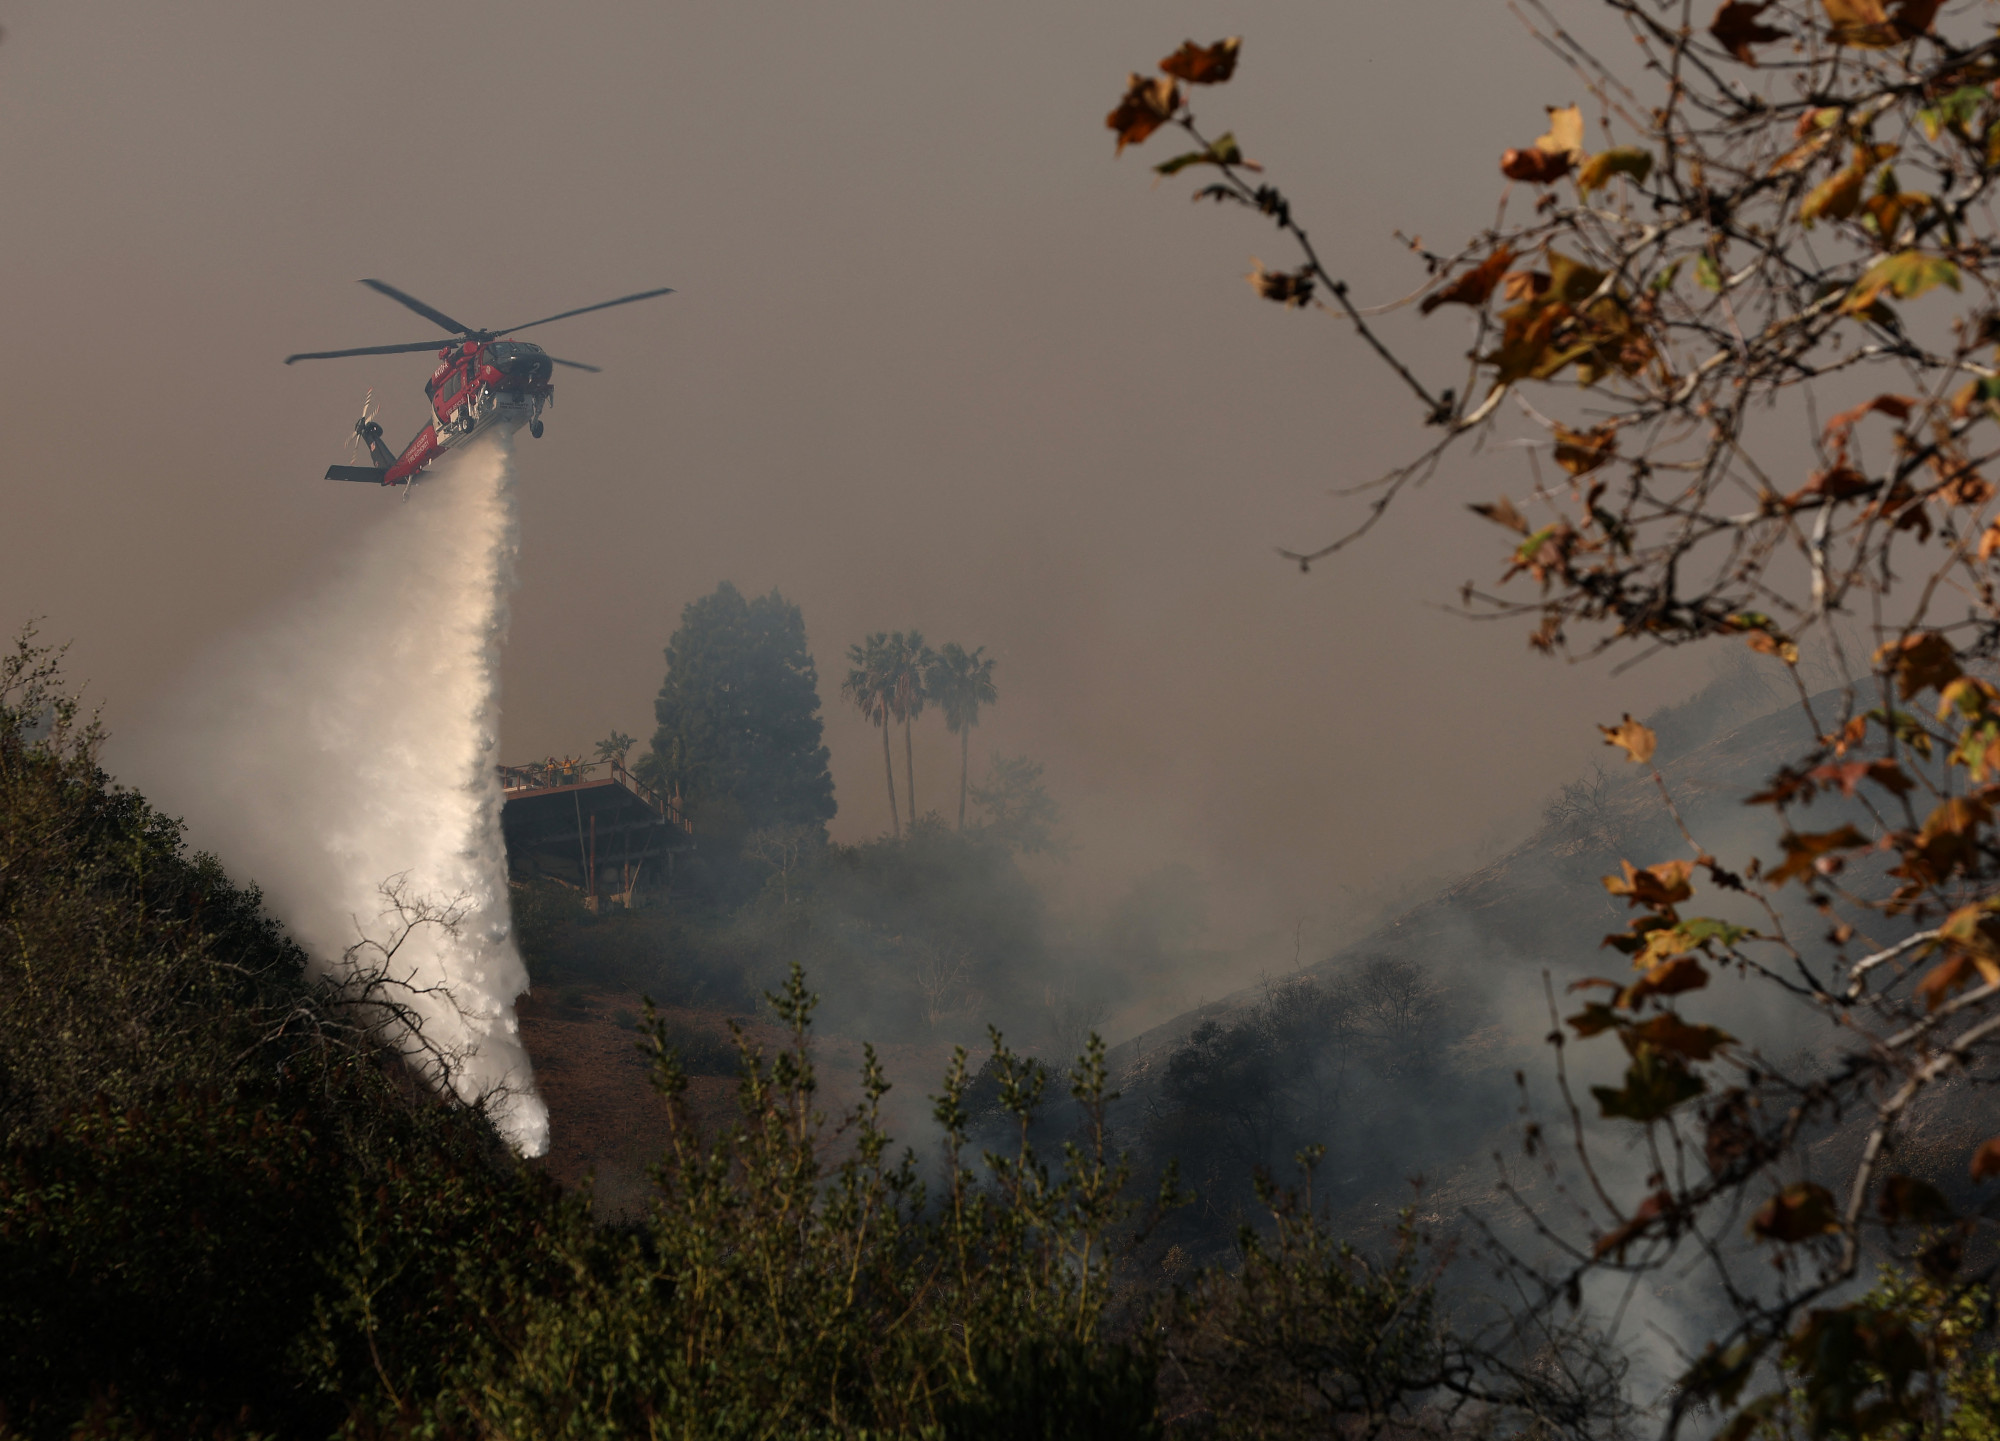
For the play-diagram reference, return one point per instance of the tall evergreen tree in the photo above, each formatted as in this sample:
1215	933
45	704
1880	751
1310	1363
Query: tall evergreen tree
739	711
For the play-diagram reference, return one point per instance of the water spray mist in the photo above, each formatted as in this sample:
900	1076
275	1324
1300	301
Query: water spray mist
352	741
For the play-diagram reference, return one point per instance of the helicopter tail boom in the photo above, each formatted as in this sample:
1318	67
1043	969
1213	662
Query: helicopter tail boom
357	472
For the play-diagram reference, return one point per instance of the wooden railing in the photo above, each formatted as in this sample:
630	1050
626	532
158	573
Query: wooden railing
553	774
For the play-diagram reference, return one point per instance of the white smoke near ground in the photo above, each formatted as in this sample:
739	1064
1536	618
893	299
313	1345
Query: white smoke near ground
345	750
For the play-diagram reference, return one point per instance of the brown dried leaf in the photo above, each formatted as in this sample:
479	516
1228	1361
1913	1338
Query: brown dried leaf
1867	25
1659	887
1905	1198
1637	740
1986	1160
1148	104
1736	28
1919	661
1502	512
1815	852
1837	198
1291	288
1669	978
1204	64
1944	978
1656	1206
1474	286
1797	1213
1534	164
1581	451
1670	1033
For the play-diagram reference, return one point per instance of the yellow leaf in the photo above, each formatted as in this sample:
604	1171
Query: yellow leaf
1625	160
1635	738
1905	275
1582	451
1565	135
1839	197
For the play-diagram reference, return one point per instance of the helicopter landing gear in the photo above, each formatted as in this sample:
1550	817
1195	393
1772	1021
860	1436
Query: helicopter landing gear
535	427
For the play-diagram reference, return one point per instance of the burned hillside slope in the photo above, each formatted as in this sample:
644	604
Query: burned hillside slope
1399	1052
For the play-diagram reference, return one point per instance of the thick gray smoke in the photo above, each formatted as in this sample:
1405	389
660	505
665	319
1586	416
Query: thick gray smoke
350	743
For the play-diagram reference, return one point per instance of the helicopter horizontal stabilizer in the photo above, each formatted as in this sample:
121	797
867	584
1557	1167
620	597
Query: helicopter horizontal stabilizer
356	472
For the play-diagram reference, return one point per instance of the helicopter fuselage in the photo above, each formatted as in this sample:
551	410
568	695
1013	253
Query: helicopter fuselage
483	382
501	385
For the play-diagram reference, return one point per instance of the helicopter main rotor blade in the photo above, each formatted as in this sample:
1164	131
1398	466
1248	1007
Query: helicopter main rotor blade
409	349
436	317
578	365
601	305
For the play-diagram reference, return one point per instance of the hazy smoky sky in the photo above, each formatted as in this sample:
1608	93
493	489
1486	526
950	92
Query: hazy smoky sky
937	360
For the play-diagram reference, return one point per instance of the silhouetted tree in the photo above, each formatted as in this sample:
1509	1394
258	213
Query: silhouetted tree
1020	813
961	681
908	659
870	686
739	711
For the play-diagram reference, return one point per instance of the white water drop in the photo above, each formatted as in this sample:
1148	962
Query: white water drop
352	739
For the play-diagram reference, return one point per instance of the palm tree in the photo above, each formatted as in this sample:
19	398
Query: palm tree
870	684
961	681
908	659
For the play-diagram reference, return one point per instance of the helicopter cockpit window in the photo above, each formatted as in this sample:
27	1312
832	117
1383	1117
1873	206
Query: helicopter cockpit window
520	362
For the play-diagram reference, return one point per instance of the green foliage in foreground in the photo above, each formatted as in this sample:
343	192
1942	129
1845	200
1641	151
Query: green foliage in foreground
226	1210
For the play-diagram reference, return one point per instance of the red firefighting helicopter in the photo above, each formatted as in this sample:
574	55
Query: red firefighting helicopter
483	382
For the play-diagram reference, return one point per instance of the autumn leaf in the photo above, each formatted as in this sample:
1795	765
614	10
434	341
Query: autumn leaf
1148	104
1670	1033
1905	1198
1291	288
1849	774
1664	885
1534	164
1204	64
1544	554
1968	488
1975	929
1887	208
1797	1213
1655	1083
1811	853
1867	25
1897	406
1764	636
1474	286
1705	930
1669	978
1625	160
1637	740
1905	275
1764	643
1837	198
1919	662
1595	1017
1582	451
1986	1160
1502	512
1944	978
1552	155
1565	135
1224	151
1655	1207
1955	111
1736	28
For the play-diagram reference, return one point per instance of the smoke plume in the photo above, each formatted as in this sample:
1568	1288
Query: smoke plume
350	742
